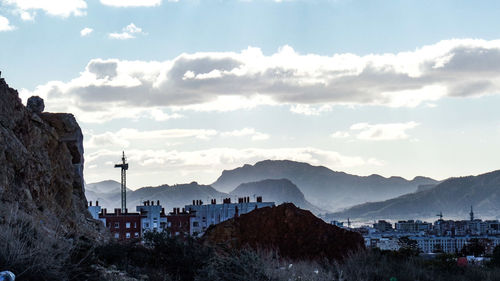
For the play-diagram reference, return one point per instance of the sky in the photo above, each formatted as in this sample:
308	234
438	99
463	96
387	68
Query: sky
189	88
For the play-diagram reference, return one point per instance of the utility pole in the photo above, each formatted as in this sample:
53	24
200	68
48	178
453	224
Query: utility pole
124	168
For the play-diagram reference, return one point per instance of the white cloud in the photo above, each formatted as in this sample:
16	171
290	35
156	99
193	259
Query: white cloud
381	132
307	109
128	32
60	8
217	159
86	31
126	136
308	83
27	16
5	24
247	132
340	135
131	3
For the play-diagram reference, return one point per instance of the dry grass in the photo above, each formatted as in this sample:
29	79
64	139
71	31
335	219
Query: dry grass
27	250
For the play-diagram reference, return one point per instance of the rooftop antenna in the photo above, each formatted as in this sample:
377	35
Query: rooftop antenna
440	215
471	213
124	168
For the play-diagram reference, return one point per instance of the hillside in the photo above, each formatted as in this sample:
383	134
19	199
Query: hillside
278	191
453	197
321	186
43	214
295	233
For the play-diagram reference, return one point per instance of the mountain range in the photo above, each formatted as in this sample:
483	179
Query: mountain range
453	198
321	186
278	191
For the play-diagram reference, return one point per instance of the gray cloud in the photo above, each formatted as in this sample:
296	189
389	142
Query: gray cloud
455	68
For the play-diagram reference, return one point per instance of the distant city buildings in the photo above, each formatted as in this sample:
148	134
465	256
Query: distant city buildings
192	220
448	236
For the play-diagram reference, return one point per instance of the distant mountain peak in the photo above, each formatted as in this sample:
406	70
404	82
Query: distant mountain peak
320	185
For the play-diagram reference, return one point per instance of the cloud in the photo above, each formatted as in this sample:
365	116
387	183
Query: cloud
218	159
86	31
5	24
310	110
126	136
128	32
340	135
382	132
247	132
307	83
131	3
61	8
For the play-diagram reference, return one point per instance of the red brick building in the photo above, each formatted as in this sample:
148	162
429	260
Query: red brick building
122	226
179	222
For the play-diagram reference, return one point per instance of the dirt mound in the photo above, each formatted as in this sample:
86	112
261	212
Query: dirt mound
295	233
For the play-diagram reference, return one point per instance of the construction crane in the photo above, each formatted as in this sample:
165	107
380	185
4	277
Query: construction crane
440	215
124	168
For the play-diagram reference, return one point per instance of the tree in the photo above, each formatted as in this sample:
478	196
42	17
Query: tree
408	247
495	258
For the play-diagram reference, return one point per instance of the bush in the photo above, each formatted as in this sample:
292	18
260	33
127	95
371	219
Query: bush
28	252
236	266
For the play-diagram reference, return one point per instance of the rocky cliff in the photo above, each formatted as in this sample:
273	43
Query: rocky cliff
41	170
295	233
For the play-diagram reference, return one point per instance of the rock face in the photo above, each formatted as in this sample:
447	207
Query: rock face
295	233
35	104
41	167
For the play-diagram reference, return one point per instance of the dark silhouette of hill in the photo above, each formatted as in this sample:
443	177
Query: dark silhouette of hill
278	191
321	186
453	197
295	233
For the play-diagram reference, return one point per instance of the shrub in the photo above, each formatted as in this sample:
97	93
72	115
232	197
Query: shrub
27	251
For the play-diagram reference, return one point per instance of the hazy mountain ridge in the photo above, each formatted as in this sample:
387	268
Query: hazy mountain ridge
453	197
321	186
278	191
169	196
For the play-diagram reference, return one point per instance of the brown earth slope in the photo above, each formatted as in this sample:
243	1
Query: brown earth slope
295	233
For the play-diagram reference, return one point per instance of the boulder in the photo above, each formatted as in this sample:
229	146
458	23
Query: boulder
35	104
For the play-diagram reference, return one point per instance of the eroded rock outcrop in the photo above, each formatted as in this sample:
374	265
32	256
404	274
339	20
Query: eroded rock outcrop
41	168
295	233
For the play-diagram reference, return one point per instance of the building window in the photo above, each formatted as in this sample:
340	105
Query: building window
155	225
136	235
127	235
127	225
146	225
117	235
135	225
117	225
195	224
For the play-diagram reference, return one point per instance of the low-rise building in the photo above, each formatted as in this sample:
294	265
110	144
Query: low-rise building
122	225
213	213
153	216
383	226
